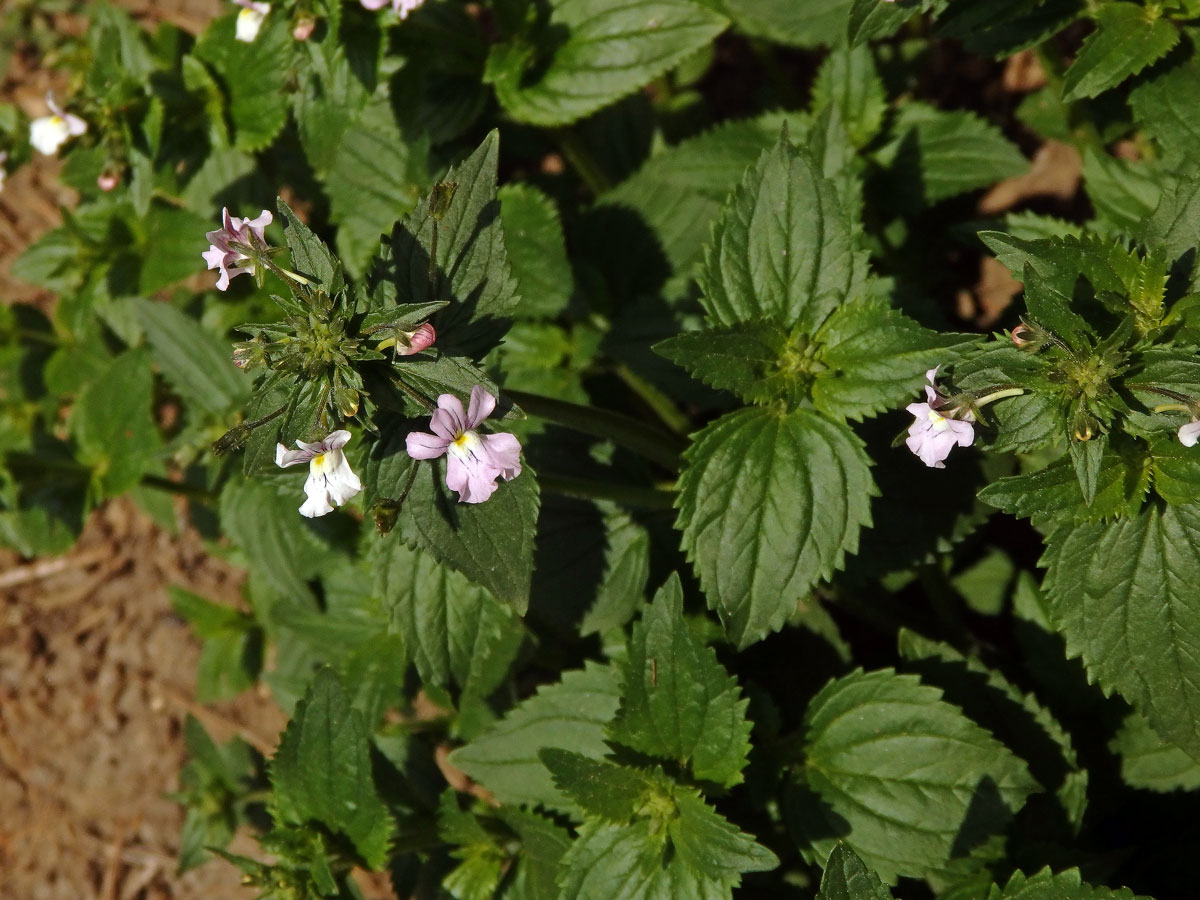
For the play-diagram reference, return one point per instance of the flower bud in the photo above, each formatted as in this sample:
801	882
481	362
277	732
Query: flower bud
416	341
1022	335
303	28
107	181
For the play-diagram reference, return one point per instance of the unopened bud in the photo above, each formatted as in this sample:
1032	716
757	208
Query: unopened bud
1022	335
108	181
346	399
386	513
440	198
303	28
416	341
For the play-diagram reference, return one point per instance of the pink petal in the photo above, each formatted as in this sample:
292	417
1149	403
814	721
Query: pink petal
421	445
453	407
481	406
504	452
335	440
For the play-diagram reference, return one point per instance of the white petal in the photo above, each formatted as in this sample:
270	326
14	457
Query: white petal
317	503
48	133
335	440
285	457
249	22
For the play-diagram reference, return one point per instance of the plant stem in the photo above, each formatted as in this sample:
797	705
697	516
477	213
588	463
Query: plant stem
626	494
178	487
623	430
581	158
662	405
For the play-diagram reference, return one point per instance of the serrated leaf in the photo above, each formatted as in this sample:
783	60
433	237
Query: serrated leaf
936	154
1054	493
610	792
768	505
743	358
849	81
472	268
538	252
1124	193
168	248
870	20
253	76
1018	719
310	257
788	22
192	359
905	778
458	632
543	844
374	179
875	358
1068	885
711	845
491	543
678	702
1128	37
626	571
322	771
111	420
267	527
1150	763
1160	105
782	248
570	715
1123	596
847	877
1175	472
680	191
601	52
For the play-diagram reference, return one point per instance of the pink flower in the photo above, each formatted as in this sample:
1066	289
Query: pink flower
401	7
330	480
474	460
223	255
421	339
1189	434
932	435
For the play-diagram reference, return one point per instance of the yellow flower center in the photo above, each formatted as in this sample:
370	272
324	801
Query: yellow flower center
461	440
318	462
938	421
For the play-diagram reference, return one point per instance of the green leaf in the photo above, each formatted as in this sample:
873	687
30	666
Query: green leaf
1018	719
268	528
908	779
600	53
491	543
1175	471
1150	763
678	702
192	359
789	22
543	844
626	571
936	154
601	789
1123	596
1054	493
458	632
743	358
679	192
538	252
849	81
310	257
782	247
171	246
111	420
1066	885
768	505
570	715
1160	105
472	268
1128	37
253	77
1124	193
847	877
322	771
875	358
874	19
232	653
710	844
1175	224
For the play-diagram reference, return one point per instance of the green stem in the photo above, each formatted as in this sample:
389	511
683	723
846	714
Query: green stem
999	395
623	430
178	487
580	157
662	405
625	494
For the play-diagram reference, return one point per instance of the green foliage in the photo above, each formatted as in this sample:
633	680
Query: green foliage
1126	40
903	777
847	878
1064	886
768	505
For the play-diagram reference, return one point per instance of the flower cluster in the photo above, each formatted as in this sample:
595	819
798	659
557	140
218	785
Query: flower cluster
933	434
232	246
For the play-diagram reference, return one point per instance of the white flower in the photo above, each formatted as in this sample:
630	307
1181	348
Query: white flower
330	481
50	132
1189	434
250	19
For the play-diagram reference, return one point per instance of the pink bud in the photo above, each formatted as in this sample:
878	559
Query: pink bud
418	340
1022	335
107	181
303	28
